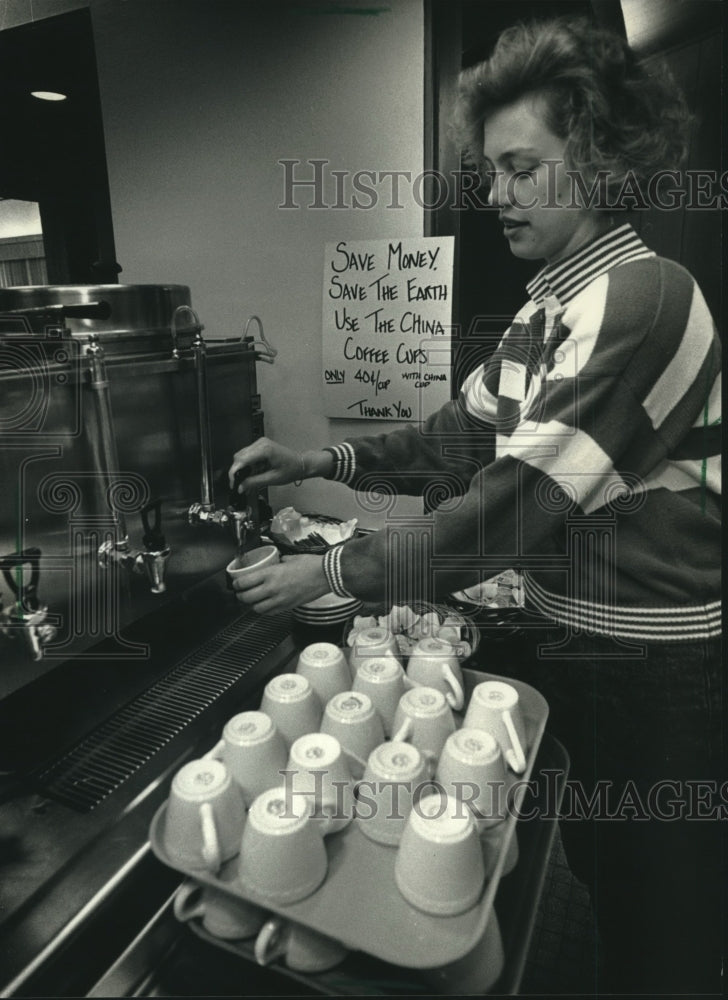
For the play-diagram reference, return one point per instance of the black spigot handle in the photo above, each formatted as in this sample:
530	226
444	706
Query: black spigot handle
238	501
27	593
154	540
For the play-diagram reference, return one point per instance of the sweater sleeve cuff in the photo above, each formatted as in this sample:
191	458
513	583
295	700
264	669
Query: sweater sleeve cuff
344	463
332	570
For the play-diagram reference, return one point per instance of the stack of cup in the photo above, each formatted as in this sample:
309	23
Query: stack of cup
304	771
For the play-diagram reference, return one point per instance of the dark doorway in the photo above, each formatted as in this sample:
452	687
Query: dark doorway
53	151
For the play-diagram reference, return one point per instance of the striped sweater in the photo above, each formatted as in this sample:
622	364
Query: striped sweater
585	451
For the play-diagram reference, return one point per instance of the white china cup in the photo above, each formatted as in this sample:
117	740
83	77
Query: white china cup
494	706
424	718
326	668
224	916
434	663
293	705
318	773
373	641
205	816
382	678
351	717
471	768
264	555
254	752
282	853
439	865
301	948
393	775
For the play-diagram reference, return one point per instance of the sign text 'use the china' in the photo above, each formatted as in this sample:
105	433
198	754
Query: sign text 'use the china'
387	307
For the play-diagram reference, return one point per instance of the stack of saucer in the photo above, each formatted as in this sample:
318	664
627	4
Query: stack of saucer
327	610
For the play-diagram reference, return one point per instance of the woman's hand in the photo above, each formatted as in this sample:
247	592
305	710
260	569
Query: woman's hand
271	464
294	580
274	465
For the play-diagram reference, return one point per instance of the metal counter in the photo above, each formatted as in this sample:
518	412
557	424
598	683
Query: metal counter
77	878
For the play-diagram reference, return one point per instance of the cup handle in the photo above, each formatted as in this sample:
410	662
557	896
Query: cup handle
270	943
404	732
210	842
515	758
182	911
456	696
216	752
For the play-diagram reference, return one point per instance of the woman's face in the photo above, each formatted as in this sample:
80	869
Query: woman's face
530	187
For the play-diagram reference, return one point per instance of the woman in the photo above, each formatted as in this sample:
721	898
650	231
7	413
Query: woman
585	452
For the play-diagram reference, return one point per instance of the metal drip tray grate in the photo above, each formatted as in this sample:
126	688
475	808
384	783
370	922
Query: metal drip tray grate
114	751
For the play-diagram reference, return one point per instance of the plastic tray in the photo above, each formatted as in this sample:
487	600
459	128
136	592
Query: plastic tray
359	904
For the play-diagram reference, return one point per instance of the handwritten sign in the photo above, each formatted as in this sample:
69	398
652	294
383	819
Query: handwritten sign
387	307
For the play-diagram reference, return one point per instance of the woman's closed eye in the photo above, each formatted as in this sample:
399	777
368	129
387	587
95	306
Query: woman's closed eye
523	170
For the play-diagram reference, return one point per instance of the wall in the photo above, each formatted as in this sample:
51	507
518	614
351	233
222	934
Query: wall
200	100
16	12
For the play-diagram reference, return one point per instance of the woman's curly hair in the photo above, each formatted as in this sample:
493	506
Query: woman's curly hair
616	114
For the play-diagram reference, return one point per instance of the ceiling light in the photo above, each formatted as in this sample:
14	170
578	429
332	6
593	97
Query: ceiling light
48	95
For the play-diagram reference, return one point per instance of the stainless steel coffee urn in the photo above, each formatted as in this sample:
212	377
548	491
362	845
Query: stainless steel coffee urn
119	414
